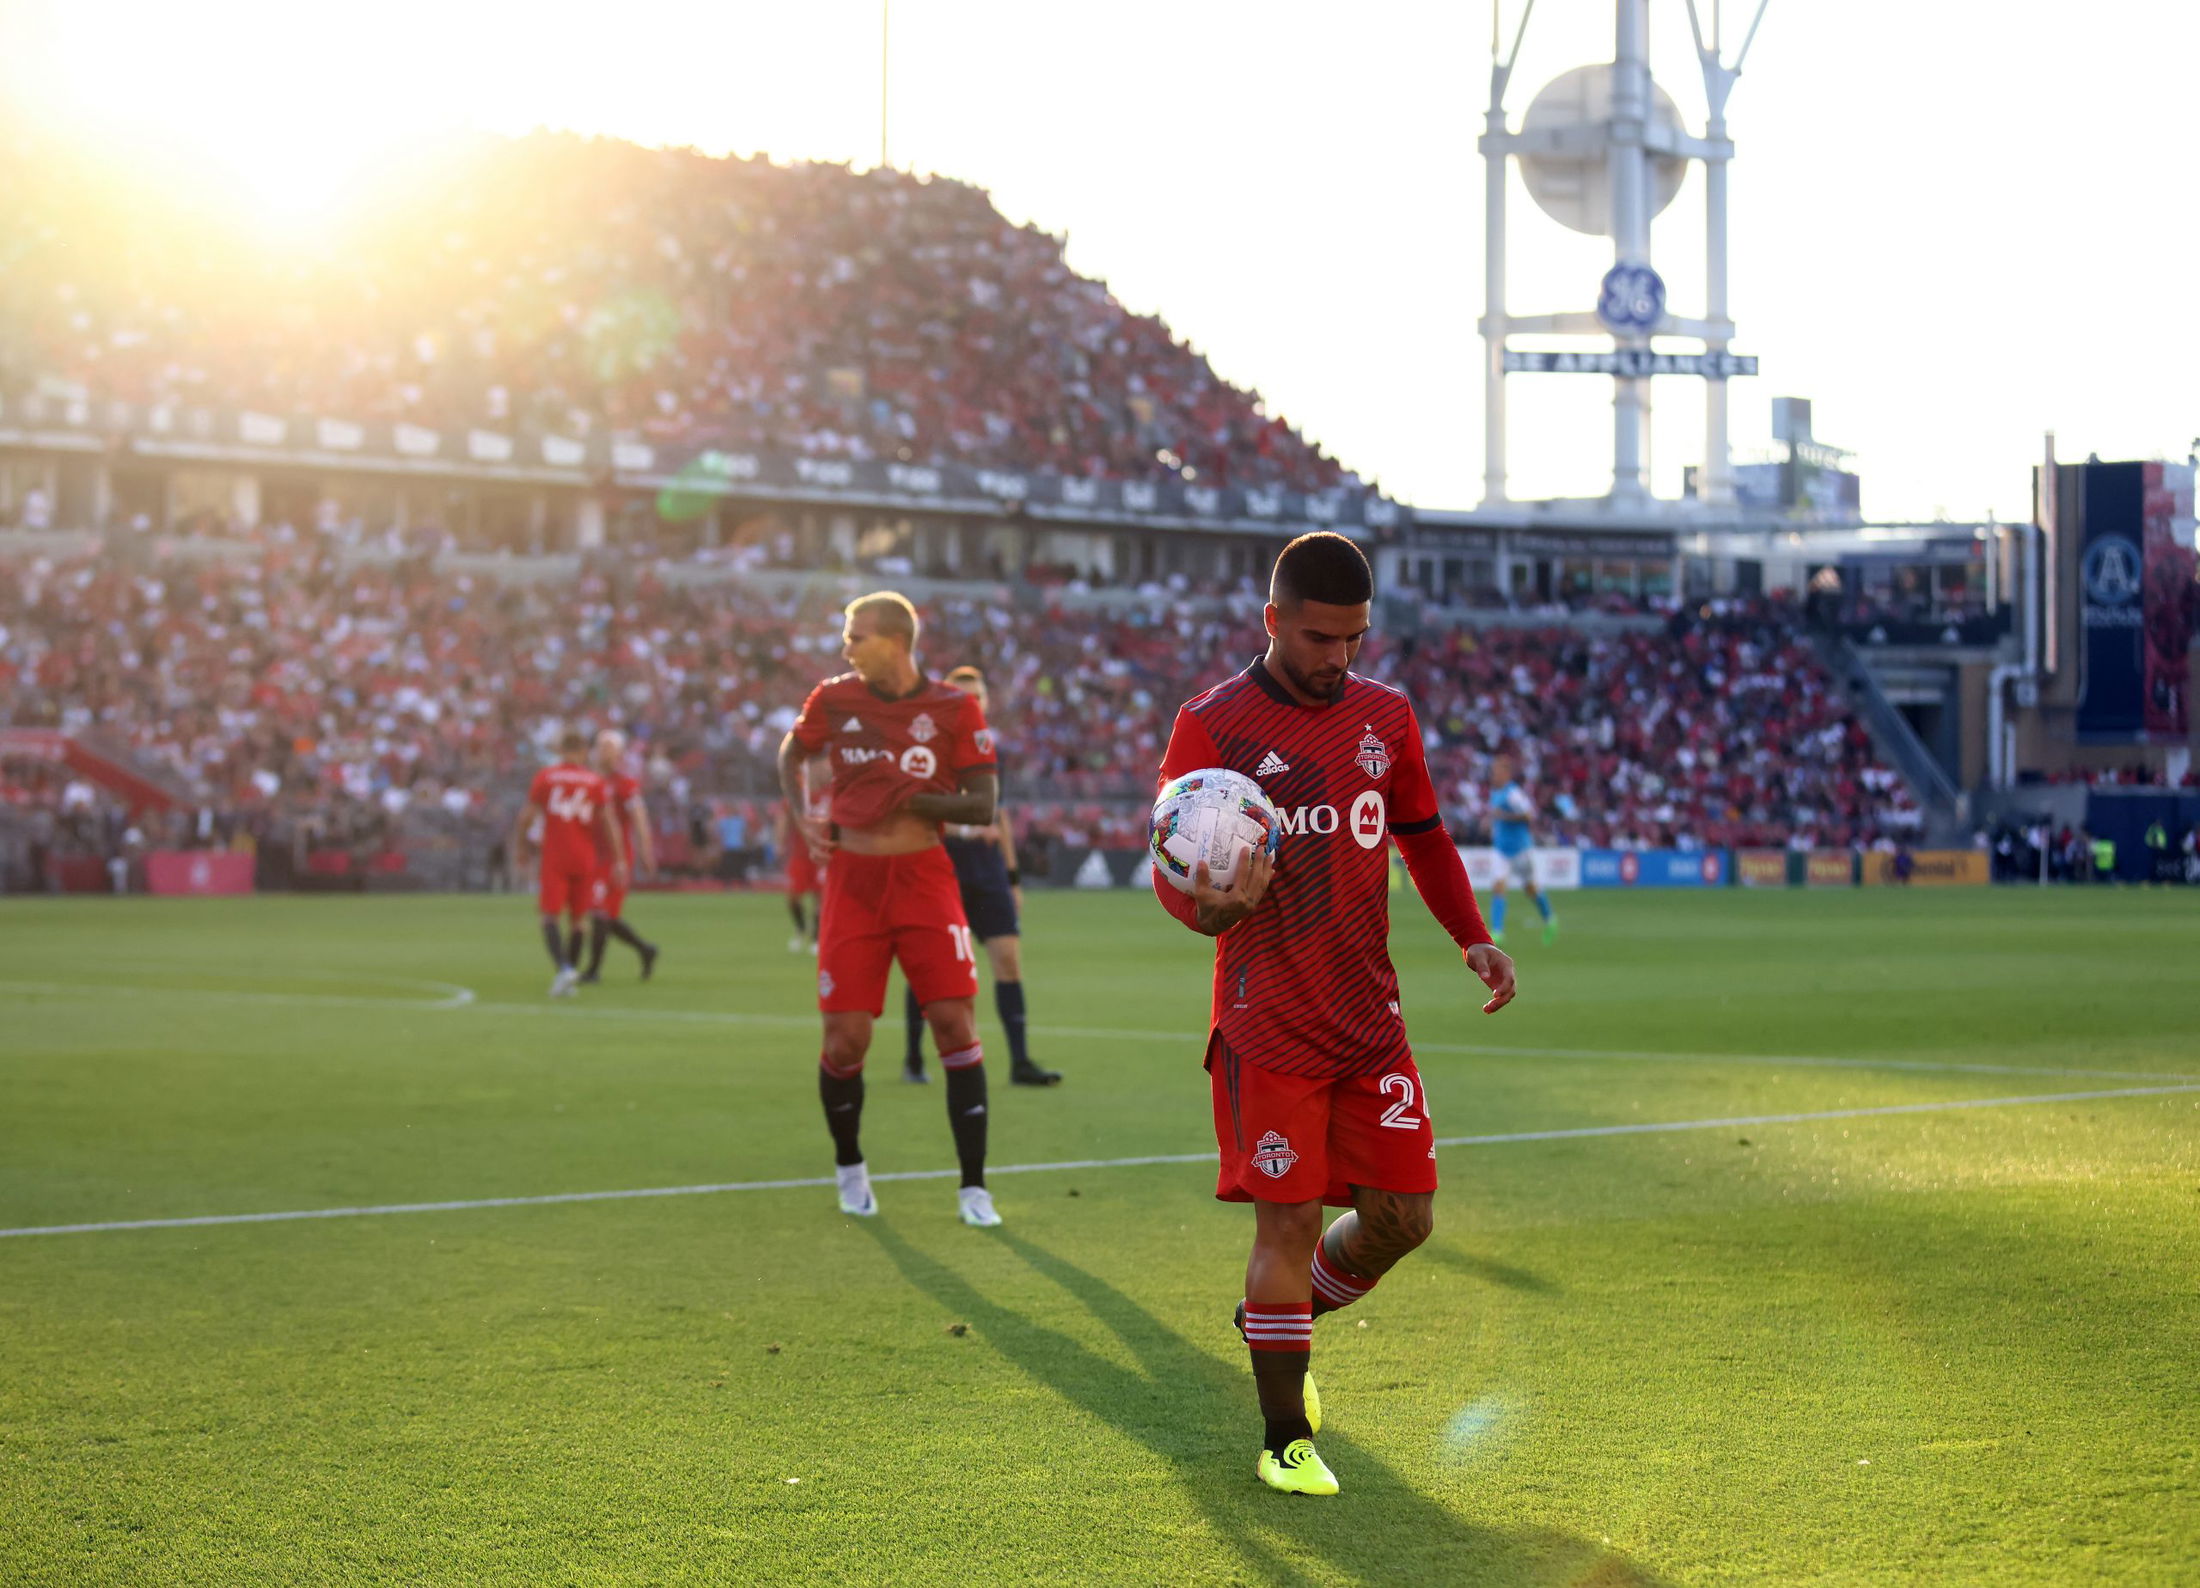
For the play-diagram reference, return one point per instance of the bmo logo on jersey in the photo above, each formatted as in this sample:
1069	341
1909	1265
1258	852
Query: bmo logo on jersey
1367	820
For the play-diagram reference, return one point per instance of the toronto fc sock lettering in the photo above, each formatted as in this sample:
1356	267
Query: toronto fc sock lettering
1334	1285
842	1096
966	1109
1008	998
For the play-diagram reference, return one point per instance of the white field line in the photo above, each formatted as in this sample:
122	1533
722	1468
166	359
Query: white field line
457	997
1577	1132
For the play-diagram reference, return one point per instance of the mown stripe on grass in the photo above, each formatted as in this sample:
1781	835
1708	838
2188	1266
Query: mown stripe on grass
459	998
1568	1133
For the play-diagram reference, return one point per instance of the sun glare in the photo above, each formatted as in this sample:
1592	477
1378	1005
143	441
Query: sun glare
279	114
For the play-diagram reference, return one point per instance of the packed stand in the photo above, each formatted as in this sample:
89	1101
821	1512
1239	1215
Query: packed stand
590	286
295	697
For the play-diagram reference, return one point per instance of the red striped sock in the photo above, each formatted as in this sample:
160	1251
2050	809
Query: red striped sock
963	1058
1336	1287
1288	1327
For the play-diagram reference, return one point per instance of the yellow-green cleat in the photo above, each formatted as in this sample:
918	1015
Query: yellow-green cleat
1297	1471
1313	1403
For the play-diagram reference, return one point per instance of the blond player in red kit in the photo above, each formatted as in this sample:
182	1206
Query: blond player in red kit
907	753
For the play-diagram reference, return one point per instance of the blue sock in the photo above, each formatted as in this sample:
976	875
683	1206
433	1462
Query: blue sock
1543	903
1497	914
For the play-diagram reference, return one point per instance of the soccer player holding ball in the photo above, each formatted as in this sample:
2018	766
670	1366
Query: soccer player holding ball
908	753
1316	1098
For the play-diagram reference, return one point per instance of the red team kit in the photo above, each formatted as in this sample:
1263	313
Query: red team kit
879	908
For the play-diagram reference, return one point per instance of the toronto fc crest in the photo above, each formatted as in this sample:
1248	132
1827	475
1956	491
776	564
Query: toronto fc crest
923	729
1273	1157
1374	756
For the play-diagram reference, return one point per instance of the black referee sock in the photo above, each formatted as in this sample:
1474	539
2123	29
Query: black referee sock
842	1096
915	1013
966	1117
554	941
1008	998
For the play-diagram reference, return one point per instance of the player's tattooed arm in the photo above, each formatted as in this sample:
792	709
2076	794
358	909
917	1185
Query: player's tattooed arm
971	805
1222	908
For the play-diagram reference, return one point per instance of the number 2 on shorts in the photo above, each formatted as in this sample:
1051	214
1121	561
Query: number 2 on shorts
1398	1084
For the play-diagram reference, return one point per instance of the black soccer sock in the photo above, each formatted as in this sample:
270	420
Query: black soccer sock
915	1013
625	934
1008	998
842	1096
966	1110
1280	1340
794	908
595	945
573	946
554	941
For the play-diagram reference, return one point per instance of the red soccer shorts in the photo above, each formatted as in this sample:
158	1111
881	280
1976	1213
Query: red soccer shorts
566	887
880	908
609	898
1309	1138
804	875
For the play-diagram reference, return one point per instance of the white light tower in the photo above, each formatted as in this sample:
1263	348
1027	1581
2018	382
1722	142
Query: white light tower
1602	151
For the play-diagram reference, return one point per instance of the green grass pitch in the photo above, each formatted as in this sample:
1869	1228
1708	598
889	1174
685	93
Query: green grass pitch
1886	1342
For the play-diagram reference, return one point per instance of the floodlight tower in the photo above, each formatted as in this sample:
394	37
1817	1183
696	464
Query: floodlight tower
1602	151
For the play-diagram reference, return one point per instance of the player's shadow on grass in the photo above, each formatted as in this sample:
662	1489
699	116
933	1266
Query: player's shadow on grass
1196	1413
1486	1268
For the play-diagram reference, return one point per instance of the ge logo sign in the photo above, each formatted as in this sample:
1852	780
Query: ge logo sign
2111	572
1631	300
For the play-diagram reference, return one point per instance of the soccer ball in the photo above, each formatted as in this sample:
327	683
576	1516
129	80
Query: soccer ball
1212	814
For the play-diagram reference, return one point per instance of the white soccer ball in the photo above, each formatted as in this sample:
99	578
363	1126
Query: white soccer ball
1215	815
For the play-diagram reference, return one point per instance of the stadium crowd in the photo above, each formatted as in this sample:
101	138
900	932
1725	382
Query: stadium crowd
590	286
351	704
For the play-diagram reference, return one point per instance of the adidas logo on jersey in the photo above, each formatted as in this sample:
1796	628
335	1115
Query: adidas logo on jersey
852	725
1271	765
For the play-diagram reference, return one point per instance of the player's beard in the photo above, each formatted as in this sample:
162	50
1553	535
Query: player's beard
1311	687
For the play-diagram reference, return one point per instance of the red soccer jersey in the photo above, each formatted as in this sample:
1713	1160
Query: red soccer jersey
885	750
618	789
1304	985
571	798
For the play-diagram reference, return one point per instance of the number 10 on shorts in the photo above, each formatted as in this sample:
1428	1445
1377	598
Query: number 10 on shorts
959	935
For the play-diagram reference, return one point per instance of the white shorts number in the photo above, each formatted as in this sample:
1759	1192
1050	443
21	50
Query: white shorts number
1399	1115
960	937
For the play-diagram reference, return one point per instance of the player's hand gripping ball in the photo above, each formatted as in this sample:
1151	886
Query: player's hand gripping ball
1214	815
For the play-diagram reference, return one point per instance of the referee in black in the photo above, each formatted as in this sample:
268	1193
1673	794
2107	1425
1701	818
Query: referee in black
993	897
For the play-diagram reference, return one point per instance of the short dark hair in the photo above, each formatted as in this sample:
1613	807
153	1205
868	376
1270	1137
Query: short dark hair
1322	566
573	740
969	670
895	613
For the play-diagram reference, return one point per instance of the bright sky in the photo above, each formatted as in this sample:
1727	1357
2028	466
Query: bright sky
1948	220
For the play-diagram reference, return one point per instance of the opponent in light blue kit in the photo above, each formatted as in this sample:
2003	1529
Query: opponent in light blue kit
1512	834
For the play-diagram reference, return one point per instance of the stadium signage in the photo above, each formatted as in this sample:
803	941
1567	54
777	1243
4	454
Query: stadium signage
251	438
1632	363
1654	868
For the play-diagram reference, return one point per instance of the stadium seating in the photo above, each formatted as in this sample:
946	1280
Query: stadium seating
326	706
583	286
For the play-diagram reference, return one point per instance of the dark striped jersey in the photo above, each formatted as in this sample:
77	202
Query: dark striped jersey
886	748
1304	985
